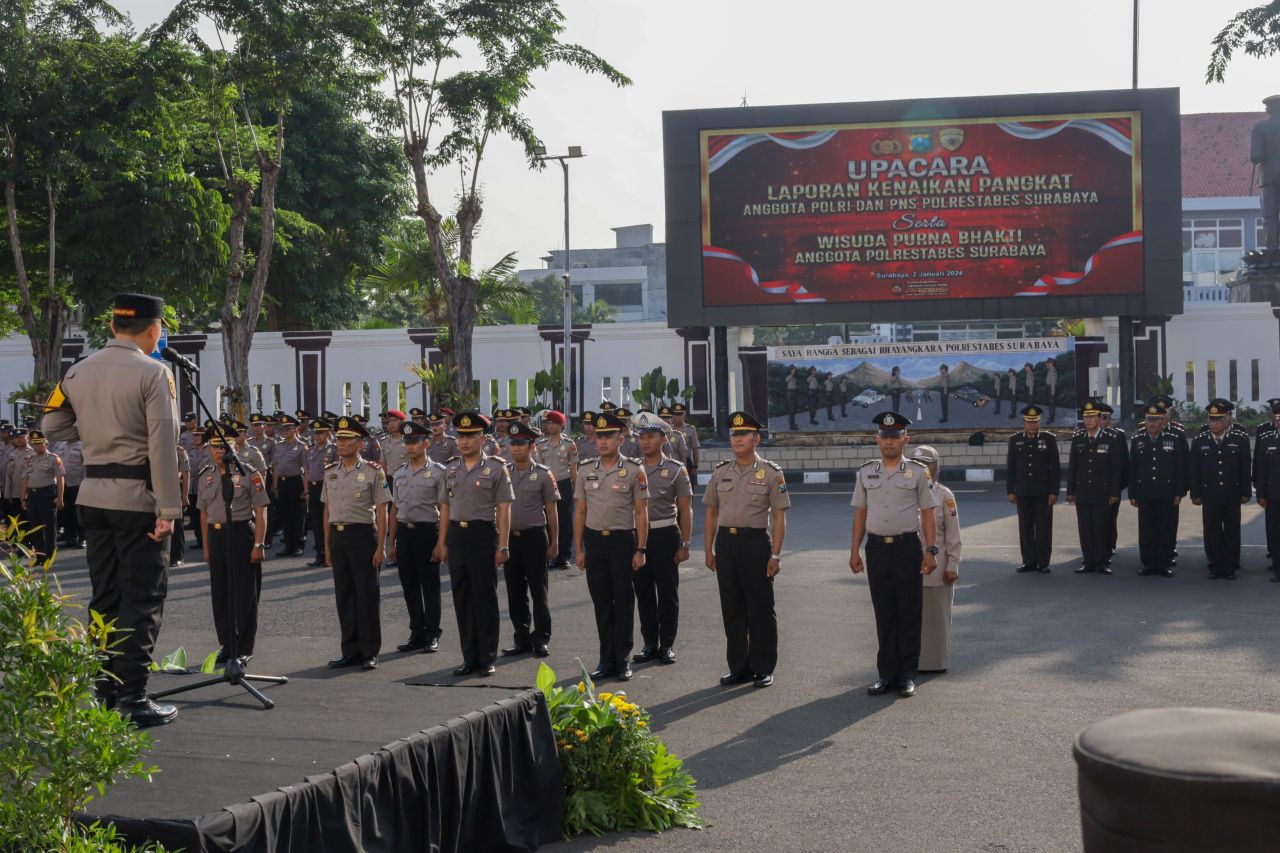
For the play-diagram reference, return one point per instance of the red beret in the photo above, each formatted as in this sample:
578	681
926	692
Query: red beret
553	416
396	413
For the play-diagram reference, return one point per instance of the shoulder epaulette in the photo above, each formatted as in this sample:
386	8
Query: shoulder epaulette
918	462
868	462
774	465
724	463
330	465
375	465
634	460
202	470
402	465
452	459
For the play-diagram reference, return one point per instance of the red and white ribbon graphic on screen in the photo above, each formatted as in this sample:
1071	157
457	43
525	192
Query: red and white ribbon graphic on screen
793	289
1045	283
1115	132
722	149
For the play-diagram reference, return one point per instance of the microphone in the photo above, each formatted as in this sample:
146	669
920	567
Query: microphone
174	357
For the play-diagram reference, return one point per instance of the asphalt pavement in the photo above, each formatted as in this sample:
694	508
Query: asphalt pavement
979	759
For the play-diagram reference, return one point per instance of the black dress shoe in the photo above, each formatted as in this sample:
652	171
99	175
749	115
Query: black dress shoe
296	552
344	661
1084	570
222	658
1145	572
432	645
540	650
369	663
517	649
486	669
316	563
1231	575
624	672
600	672
177	563
1167	572
144	713
732	678
1044	570
1022	570
881	687
285	553
465	669
667	655
906	687
647	654
1106	570
412	645
763	679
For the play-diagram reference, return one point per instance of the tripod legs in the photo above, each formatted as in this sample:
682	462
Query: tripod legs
241	679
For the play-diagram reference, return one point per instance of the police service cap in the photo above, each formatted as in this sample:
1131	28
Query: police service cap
607	423
321	425
623	412
1154	410
607	406
1163	400
665	412
211	436
415	412
646	421
436	418
361	419
891	423
1032	413
588	417
258	418
471	423
743	422
302	415
522	433
1219	408
1275	408
503	414
412	428
137	306
1092	408
348	427
35	436
523	410
678	408
287	420
18	432
189	416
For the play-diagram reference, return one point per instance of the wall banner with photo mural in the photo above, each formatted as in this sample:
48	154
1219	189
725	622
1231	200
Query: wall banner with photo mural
961	385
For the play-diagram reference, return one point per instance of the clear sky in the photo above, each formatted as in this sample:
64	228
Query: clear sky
686	54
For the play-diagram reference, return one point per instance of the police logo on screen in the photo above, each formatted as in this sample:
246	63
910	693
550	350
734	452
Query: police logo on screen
951	138
921	141
886	147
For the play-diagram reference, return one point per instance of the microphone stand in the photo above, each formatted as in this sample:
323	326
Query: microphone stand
233	672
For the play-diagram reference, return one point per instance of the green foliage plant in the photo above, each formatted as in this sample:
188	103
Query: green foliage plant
618	775
58	745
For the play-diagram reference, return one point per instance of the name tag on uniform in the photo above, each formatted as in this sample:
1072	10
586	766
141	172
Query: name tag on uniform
1104	448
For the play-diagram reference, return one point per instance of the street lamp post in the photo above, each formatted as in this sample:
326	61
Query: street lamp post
575	152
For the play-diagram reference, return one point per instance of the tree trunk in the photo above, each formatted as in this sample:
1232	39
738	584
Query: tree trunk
235	358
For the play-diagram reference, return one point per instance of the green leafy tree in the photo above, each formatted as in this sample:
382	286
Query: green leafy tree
1256	31
459	71
548	298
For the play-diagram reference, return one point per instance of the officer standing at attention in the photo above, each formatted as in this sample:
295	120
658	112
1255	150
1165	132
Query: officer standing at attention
1219	484
535	540
177	542
630	448
290	456
657	583
610	536
479	494
743	496
320	455
72	455
355	495
248	520
587	444
1266	479
42	494
558	453
674	445
1157	484
443	446
1093	484
893	506
265	444
197	458
1035	474
15	468
129	498
1114	531
418	524
393	453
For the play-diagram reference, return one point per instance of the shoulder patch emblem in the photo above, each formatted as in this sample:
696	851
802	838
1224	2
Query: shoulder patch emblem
173	388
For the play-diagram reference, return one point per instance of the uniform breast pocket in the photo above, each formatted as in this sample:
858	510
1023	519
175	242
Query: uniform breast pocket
757	488
903	483
872	482
724	486
622	488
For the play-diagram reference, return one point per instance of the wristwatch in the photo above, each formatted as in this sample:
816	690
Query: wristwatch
505	550
686	544
642	550
259	545
932	549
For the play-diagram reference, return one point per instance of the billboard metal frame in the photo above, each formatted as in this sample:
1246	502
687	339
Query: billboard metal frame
1161	158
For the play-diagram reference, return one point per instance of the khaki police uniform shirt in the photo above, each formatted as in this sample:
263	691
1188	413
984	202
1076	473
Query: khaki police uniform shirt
629	448
893	499
198	458
474	495
417	492
668	481
690	439
534	487
43	469
185	439
6	450
318	458
266	446
184	462
252	457
393	453
673	445
559	457
587	449
611	492
352	495
442	450
746	496
946	522
289	457
15	469
129	403
72	462
248	491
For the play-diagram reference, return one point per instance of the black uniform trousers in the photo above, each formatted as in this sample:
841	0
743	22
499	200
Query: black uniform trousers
526	574
897	596
1222	536
235	609
193	517
315	516
177	542
1035	530
1157	531
1272	515
657	586
68	518
129	576
609	554
564	518
273	509
473	575
1113	529
1093	520
291	512
419	576
355	586
42	513
746	599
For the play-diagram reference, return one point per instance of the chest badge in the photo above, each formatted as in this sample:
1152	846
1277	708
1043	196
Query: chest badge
666	473
906	474
623	473
359	478
760	474
533	476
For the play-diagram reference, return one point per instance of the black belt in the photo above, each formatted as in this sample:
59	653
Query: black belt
119	471
889	540
467	524
288	476
736	531
354	526
611	532
412	525
218	525
42	488
539	529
